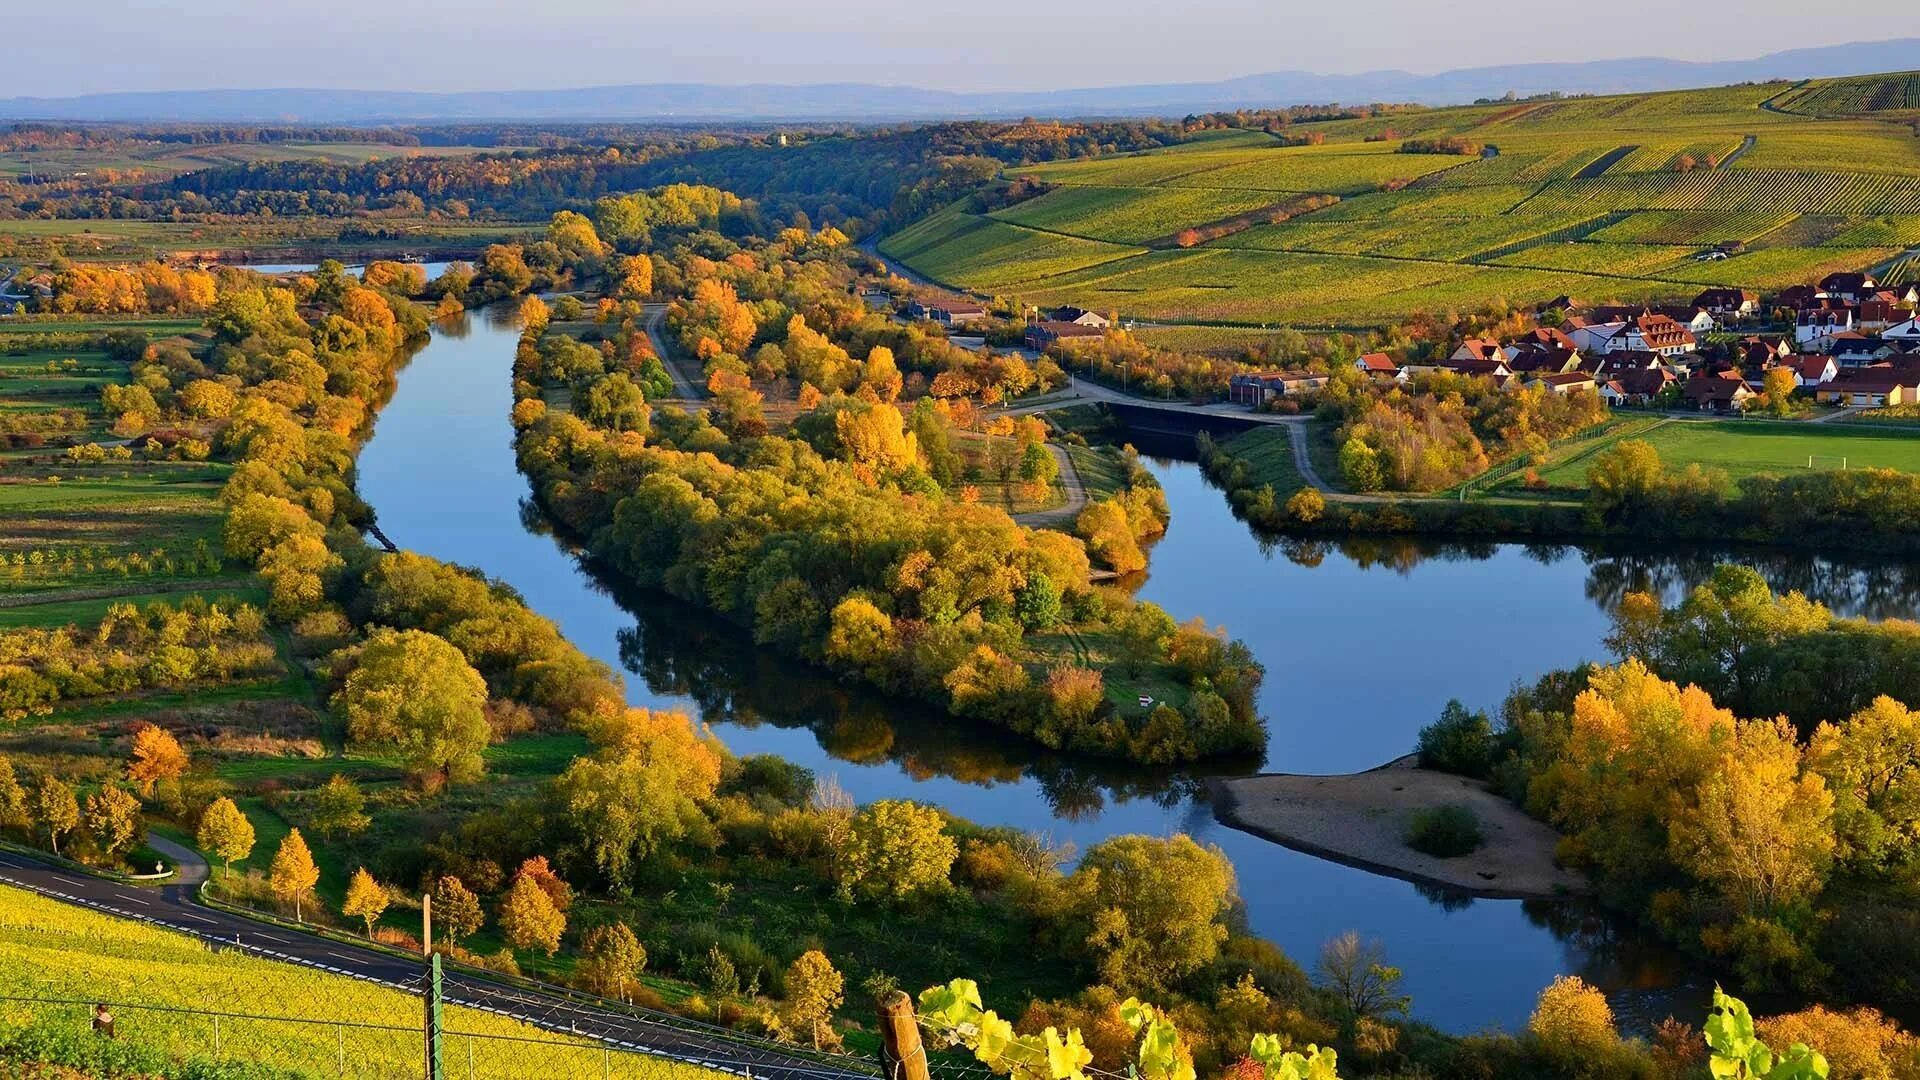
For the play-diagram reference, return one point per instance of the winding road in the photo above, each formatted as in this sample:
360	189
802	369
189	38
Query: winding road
175	906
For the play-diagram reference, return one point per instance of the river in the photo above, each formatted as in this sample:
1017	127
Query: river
1362	647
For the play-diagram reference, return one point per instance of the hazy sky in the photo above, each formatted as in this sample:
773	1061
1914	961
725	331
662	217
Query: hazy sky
62	48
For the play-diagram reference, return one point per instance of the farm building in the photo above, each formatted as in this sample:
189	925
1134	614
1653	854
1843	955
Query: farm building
1874	386
1260	387
947	312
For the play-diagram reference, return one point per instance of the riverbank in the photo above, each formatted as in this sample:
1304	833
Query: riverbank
1360	820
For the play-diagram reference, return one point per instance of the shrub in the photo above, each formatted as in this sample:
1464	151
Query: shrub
1445	832
1459	742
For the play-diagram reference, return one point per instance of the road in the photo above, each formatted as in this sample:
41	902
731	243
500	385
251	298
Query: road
175	906
1070	483
683	388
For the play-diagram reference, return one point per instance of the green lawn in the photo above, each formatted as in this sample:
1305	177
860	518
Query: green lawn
1754	447
1268	453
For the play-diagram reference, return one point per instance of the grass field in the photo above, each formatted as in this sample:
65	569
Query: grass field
1606	199
279	1016
1755	447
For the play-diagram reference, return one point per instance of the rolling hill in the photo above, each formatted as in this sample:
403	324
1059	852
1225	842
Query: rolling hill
1605	199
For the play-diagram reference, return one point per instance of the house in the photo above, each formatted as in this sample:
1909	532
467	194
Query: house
1853	349
1541	337
1495	369
1815	327
1639	387
1257	388
1040	336
947	312
1760	352
1080	316
1658	334
1728	303
1811	371
1795	297
1694	317
1379	366
1565	382
1478	349
1847	286
1871	387
1723	391
1903	333
1533	359
1877	313
1594	336
1614	365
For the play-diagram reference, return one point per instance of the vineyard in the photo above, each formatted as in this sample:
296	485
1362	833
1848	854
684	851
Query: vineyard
1606	199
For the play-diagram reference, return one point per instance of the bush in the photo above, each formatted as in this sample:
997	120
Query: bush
1445	832
1459	742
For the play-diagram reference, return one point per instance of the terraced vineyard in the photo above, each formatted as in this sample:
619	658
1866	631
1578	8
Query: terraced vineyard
1608	199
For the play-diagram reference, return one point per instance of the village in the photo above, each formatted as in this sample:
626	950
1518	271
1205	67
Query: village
1847	341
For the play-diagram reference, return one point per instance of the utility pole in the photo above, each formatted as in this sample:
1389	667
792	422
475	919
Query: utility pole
426	924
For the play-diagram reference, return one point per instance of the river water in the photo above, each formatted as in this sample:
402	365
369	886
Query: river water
1362	646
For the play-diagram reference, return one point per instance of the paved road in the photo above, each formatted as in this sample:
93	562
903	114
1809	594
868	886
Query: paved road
683	388
174	906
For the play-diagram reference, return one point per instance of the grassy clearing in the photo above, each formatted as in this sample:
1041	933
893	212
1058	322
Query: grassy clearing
1754	447
1268	453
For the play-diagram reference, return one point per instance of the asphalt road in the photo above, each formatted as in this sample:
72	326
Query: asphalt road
175	906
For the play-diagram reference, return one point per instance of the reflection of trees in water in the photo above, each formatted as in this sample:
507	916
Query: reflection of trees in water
681	651
1442	897
1863	587
1873	589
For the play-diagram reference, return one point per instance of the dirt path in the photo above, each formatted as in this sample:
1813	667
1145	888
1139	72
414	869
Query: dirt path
1071	484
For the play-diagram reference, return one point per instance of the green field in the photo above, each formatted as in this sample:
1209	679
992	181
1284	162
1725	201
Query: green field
1605	199
1755	447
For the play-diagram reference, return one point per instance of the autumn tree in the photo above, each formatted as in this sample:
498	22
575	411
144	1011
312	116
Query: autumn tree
339	806
1157	907
14	806
1761	828
641	790
540	873
156	756
528	919
411	690
814	991
55	809
1776	389
225	832
611	959
366	899
1572	1018
897	849
113	820
1871	764
455	909
293	873
1622	476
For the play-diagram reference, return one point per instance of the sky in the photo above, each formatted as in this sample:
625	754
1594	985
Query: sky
61	49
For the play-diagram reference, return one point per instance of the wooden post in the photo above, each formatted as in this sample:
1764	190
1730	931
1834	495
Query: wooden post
902	1055
426	924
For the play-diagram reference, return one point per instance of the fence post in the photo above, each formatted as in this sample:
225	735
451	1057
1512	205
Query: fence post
902	1056
340	1041
426	923
434	1070
216	1036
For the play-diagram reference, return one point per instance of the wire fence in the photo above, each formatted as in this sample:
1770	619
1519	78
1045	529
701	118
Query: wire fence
502	1039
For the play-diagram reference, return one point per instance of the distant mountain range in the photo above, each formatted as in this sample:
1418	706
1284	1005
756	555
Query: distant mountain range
864	102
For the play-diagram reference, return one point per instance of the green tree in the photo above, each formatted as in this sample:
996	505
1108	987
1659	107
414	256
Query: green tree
528	919
1871	763
1157	906
55	808
1037	465
366	899
617	403
113	819
611	959
814	991
1622	478
413	691
339	806
455	909
1360	465
293	873
225	832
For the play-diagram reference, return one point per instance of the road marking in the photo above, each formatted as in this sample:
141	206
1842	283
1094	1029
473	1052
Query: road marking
348	959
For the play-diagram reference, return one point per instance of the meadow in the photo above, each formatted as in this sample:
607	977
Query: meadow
1742	448
1605	199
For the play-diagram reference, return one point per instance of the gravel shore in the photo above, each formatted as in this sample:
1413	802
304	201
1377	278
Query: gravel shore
1360	819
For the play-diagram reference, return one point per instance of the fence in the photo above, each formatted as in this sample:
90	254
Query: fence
464	1033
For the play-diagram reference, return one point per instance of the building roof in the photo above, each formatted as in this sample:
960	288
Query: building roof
1879	379
1068	329
1378	363
1721	386
1662	332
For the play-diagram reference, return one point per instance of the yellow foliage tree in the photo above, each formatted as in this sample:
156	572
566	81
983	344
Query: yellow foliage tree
293	873
366	899
528	919
156	756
